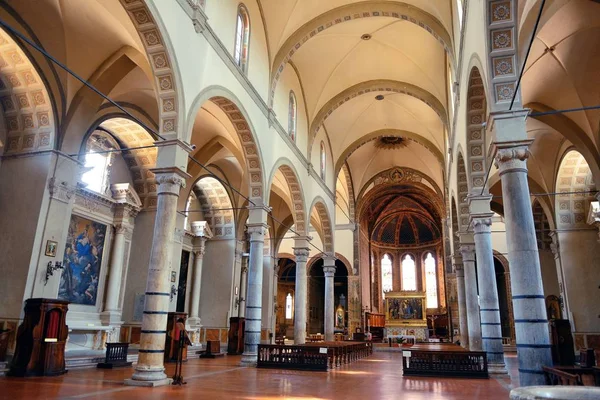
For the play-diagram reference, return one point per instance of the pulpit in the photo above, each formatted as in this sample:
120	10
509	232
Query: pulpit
41	339
175	322
235	338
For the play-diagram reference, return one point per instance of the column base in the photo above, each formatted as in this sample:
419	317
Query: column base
249	360
497	369
161	382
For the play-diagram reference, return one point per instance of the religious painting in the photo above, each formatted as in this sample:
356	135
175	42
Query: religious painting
82	261
339	317
405	308
51	246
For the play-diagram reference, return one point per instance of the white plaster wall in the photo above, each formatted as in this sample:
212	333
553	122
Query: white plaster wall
579	252
289	81
217	276
344	245
222	16
22	186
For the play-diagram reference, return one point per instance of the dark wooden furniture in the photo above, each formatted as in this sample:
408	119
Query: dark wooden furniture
561	339
313	356
213	349
4	336
235	338
41	339
555	376
376	325
467	364
116	356
587	358
172	337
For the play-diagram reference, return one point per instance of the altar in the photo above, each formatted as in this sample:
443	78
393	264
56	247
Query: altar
405	315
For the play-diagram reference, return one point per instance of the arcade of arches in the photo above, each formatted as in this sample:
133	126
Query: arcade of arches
303	166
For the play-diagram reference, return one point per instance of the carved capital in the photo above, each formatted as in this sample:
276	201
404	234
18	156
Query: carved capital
199	253
329	272
301	254
121	229
170	180
257	232
482	225
512	158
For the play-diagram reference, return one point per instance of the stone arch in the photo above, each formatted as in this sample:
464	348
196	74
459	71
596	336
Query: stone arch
238	116
573	175
396	175
476	116
502	44
350	185
130	134
298	205
351	12
380	85
29	115
215	204
159	51
382	133
463	192
326	223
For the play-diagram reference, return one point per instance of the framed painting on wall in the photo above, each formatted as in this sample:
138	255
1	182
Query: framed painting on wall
82	261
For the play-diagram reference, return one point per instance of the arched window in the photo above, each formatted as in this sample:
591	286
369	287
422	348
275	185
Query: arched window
97	161
431	281
293	115
289	306
242	38
323	160
409	273
387	284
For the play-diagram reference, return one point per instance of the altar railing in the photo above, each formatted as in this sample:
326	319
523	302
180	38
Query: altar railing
470	364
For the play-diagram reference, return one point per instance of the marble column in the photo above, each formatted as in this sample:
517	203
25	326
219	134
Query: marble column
471	300
301	252
201	231
489	308
462	302
115	277
150	370
329	310
256	231
531	325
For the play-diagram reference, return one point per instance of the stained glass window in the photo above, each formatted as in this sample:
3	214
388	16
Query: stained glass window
431	281
409	273
387	283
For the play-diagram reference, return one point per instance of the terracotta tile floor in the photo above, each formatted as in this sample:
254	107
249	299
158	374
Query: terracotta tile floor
376	377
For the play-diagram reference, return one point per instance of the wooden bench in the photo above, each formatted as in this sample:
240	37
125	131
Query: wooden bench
466	364
116	356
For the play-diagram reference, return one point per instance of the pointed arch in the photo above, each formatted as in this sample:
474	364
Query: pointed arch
476	116
326	223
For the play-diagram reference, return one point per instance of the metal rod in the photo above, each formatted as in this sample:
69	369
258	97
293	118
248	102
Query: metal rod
567	110
133	117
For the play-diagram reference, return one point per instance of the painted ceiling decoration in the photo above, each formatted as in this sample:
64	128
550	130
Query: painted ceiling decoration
216	205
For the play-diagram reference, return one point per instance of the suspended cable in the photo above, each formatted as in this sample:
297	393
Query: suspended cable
151	130
567	110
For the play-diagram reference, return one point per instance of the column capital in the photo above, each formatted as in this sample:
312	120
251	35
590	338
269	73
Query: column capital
122	229
201	229
329	272
170	180
512	156
257	231
301	254
468	252
482	223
